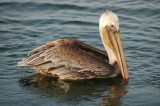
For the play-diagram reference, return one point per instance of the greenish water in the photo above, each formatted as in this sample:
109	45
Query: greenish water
27	24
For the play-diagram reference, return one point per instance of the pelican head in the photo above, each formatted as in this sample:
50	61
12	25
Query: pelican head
109	31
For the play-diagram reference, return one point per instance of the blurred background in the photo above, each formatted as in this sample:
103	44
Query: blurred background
26	24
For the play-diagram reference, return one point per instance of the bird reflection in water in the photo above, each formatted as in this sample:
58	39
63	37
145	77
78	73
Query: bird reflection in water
110	90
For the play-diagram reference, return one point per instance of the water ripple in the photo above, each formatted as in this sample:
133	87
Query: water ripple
40	6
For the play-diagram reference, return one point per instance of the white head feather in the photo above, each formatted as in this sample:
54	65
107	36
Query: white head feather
109	18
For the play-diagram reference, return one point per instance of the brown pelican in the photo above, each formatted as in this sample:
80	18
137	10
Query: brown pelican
68	59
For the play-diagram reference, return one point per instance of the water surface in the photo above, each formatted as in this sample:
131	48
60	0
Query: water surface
25	25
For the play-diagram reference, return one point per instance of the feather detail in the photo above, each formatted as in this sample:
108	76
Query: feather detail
69	60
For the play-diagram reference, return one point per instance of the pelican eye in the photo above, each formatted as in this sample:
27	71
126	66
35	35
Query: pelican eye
113	28
112	25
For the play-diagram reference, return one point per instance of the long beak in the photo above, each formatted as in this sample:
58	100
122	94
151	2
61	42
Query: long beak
113	41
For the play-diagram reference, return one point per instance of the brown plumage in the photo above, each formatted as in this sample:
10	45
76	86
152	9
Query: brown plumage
68	59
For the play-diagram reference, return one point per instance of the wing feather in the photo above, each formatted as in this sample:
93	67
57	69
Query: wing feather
69	60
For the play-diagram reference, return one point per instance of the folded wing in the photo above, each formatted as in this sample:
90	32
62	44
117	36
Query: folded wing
69	60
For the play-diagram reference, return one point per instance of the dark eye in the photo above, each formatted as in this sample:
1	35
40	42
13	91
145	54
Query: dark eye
112	25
